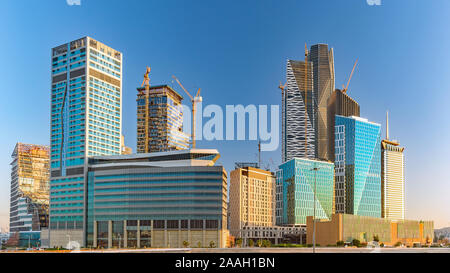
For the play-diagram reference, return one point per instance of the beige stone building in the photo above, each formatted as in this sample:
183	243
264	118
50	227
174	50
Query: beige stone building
252	199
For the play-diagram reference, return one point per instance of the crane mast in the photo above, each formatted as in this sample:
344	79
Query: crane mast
194	101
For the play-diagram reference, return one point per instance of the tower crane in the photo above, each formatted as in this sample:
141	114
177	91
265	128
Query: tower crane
194	101
344	89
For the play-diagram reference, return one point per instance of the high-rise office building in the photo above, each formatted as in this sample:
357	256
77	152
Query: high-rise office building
357	166
86	120
298	137
392	178
164	121
339	103
297	181
252	199
30	175
322	59
157	199
308	89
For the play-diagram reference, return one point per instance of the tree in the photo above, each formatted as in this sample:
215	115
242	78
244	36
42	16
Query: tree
239	242
199	245
185	244
376	238
356	242
212	244
251	243
259	243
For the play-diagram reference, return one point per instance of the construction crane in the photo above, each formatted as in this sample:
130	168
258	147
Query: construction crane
146	83
344	89
194	101
306	101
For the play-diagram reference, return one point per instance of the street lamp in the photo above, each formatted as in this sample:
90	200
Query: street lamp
315	169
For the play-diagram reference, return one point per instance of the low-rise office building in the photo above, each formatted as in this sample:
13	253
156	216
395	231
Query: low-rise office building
301	183
347	227
163	199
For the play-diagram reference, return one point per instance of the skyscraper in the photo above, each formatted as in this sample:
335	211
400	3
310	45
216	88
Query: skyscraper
392	178
298	137
339	103
297	181
323	82
357	166
307	115
29	187
165	120
86	120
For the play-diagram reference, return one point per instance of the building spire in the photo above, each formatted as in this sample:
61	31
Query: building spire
387	125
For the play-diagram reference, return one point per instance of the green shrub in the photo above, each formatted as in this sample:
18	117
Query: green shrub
251	243
340	243
356	242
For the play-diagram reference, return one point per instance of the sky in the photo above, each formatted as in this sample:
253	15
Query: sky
236	52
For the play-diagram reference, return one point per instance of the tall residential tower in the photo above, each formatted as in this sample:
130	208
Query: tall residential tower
86	120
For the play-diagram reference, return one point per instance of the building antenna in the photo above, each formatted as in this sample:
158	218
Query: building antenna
387	125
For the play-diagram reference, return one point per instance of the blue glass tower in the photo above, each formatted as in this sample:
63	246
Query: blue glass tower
86	99
358	166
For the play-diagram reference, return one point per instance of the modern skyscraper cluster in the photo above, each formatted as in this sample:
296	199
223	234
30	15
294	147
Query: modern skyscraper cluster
88	187
321	126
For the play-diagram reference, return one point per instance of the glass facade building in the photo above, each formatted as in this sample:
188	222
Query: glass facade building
296	181
358	166
156	200
165	120
86	120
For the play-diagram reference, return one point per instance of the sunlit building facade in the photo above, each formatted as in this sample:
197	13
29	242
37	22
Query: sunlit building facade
252	199
392	180
358	166
86	120
30	175
164	119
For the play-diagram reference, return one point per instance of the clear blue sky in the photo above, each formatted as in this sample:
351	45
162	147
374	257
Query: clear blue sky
236	52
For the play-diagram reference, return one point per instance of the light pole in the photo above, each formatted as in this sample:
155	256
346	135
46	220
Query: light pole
68	244
315	169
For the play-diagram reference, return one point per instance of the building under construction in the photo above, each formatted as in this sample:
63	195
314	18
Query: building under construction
160	120
30	175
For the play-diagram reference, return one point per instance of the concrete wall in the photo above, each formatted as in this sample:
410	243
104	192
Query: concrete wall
61	237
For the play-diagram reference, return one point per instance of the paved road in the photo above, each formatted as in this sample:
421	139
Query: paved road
266	250
283	250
